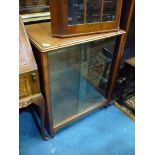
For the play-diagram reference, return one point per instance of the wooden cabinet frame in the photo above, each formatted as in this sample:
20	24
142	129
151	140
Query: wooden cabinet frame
59	22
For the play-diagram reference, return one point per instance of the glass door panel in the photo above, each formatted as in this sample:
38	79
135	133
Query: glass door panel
79	77
64	66
93	13
90	11
75	12
89	92
109	10
101	54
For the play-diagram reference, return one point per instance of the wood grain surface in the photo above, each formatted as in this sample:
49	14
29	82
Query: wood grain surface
40	35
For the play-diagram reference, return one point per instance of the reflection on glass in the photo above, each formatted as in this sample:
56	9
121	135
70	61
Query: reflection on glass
78	77
109	10
75	12
96	11
64	66
93	11
101	54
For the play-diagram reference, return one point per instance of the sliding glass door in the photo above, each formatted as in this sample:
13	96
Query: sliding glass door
78	77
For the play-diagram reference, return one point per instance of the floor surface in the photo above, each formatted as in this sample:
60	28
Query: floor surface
105	132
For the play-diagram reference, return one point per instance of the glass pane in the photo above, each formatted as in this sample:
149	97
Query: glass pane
90	94
64	66
109	10
101	54
75	12
93	11
79	76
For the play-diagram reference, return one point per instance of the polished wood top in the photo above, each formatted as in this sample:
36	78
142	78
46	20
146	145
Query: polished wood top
40	36
27	61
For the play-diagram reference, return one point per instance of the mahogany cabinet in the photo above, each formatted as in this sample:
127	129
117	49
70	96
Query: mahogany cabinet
78	17
74	72
29	86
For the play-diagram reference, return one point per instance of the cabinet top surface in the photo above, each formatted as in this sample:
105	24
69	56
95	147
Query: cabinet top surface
27	62
40	36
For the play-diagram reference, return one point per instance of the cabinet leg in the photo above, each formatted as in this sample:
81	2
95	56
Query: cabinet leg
42	117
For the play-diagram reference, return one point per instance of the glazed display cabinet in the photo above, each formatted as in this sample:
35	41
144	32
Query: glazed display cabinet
78	17
74	71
